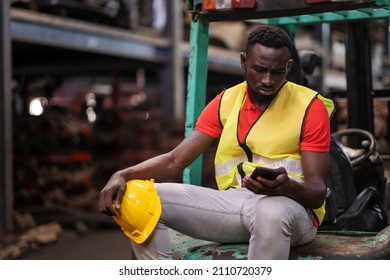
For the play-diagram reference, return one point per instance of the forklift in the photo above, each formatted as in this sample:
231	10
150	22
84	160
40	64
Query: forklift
358	203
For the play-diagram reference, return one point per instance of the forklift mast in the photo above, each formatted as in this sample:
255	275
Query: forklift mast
354	14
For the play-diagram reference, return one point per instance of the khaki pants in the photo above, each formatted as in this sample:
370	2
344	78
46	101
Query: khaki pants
271	225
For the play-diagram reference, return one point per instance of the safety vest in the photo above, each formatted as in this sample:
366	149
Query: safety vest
272	141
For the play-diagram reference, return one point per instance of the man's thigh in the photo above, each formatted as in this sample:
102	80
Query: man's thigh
204	213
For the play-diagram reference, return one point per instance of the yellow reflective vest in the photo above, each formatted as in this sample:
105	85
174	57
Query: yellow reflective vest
272	141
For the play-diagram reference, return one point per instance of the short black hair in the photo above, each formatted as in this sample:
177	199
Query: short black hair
269	36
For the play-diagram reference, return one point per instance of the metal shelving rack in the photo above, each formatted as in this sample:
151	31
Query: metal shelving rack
48	30
32	28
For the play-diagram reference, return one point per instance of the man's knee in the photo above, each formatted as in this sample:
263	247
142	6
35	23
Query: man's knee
274	212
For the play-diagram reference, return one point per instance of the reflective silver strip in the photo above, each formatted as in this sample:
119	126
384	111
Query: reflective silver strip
239	179
224	168
291	165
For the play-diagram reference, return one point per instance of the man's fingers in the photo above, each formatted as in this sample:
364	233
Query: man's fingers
106	204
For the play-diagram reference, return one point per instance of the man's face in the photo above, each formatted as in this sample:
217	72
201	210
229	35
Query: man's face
265	69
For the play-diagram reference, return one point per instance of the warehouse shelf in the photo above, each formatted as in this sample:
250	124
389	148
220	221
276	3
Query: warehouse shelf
35	28
49	30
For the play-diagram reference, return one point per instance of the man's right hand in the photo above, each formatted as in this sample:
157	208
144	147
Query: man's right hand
111	195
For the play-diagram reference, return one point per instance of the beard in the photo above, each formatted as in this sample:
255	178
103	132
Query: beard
261	98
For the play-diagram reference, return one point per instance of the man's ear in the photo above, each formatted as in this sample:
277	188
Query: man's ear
243	59
289	65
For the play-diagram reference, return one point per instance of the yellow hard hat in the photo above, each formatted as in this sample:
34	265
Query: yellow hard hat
140	210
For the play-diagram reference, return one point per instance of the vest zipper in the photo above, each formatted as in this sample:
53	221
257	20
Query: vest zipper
247	151
241	170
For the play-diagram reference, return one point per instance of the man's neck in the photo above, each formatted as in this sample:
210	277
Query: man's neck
261	101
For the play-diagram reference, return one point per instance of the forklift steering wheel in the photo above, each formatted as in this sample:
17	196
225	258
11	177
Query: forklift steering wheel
367	144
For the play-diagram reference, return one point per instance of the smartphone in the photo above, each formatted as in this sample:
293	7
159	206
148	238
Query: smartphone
266	173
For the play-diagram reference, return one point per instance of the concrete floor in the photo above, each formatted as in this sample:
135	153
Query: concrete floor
105	244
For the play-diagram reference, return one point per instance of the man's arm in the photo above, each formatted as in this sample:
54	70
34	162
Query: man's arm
160	168
310	194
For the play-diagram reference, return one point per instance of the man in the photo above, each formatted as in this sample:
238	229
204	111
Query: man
265	121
